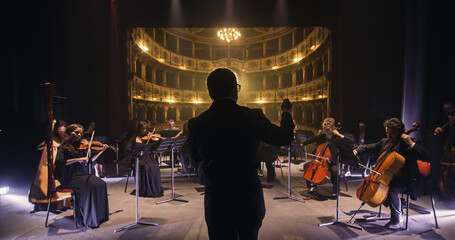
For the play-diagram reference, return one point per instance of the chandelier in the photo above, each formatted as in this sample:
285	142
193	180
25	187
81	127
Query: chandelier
228	34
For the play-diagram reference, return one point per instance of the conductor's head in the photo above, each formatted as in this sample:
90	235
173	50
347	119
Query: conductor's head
222	83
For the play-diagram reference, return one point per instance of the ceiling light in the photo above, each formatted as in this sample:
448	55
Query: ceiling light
228	34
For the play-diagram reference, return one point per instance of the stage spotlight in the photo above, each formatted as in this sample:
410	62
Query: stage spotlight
4	190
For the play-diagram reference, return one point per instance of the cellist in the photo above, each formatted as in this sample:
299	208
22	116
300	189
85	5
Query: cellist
408	179
329	132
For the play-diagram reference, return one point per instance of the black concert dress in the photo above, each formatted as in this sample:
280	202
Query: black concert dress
92	206
149	172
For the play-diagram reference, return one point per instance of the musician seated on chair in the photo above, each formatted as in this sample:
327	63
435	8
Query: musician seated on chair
268	154
184	152
149	168
408	179
329	132
91	192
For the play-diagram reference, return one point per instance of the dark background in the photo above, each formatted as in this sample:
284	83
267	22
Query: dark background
379	46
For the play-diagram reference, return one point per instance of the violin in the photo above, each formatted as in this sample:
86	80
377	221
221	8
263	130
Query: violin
97	146
152	136
373	189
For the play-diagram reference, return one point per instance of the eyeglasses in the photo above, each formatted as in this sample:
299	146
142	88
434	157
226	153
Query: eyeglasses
239	87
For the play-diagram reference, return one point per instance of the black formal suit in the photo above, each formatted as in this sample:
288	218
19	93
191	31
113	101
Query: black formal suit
408	179
225	138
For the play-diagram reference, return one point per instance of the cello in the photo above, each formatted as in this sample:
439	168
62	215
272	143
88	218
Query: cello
43	186
318	171
373	189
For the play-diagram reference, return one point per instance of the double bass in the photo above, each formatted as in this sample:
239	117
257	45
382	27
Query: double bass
446	181
373	189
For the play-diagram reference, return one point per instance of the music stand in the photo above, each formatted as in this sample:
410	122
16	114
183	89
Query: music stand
117	160
173	144
302	136
169	133
345	153
137	153
296	146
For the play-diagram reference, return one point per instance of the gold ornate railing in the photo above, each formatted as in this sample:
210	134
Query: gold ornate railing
310	44
316	89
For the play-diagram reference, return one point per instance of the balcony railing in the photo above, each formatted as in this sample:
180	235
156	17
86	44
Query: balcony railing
143	90
316	89
310	44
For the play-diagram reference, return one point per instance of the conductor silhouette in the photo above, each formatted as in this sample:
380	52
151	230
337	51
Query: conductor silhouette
225	139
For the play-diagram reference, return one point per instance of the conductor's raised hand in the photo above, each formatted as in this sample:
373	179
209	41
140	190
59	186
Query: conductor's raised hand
286	106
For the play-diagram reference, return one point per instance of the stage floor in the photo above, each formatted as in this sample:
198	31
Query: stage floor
285	218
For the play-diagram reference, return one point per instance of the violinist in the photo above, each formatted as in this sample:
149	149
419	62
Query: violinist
149	169
91	192
408	179
328	134
99	163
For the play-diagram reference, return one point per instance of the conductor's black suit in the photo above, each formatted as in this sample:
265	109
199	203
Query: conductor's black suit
225	140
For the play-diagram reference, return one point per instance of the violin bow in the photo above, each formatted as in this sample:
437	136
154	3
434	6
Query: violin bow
150	137
90	143
316	156
443	126
371	169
